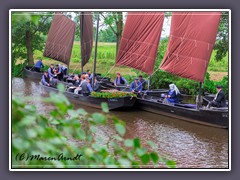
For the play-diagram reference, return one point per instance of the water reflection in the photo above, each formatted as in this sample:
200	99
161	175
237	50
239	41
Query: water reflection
191	145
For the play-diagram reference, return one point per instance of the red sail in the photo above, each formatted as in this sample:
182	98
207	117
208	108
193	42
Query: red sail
86	35
60	39
140	39
191	41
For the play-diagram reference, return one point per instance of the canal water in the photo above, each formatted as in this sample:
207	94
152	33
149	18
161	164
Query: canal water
190	145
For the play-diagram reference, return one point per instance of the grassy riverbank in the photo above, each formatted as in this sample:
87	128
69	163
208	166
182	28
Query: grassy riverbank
106	55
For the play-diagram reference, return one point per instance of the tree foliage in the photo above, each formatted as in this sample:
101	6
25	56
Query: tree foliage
222	42
71	132
114	20
28	32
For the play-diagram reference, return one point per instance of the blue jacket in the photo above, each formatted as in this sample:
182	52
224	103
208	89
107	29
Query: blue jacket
173	96
136	87
50	73
45	80
39	64
118	81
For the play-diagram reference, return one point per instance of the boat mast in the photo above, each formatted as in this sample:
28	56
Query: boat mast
95	53
199	98
149	82
81	40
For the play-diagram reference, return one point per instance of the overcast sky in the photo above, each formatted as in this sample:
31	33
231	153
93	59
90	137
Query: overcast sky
166	24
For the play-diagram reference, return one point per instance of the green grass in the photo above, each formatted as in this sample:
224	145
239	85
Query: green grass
106	55
218	66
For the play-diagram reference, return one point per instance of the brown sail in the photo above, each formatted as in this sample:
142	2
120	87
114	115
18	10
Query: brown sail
86	36
60	39
191	41
140	39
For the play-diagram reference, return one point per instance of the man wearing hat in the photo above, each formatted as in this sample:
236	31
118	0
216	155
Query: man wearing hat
219	100
136	86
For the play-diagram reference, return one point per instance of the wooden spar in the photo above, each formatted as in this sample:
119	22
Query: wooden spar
81	41
198	101
95	53
149	82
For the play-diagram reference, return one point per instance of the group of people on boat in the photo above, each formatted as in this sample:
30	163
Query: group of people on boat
82	84
173	97
137	86
57	71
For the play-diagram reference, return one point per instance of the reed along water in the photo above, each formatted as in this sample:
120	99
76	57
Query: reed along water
190	145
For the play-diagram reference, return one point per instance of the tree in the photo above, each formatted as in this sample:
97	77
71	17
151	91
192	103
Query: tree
115	21
107	35
28	31
221	45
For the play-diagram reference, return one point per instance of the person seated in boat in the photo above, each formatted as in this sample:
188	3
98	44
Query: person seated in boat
120	81
143	81
219	100
79	88
47	80
86	87
76	80
38	65
75	83
51	71
173	94
86	76
90	76
58	72
64	69
96	86
136	86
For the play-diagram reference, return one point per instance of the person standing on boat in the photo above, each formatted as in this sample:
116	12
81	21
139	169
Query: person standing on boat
173	93
136	86
38	66
143	81
120	81
51	71
219	100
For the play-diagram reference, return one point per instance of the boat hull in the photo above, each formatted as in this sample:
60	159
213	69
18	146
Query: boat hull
210	117
113	103
28	72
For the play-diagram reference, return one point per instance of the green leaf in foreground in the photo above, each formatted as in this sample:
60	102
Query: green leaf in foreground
120	129
171	164
99	118
145	159
154	157
128	143
137	143
105	107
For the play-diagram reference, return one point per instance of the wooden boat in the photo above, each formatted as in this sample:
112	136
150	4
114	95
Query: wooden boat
216	117
113	103
191	41
28	72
